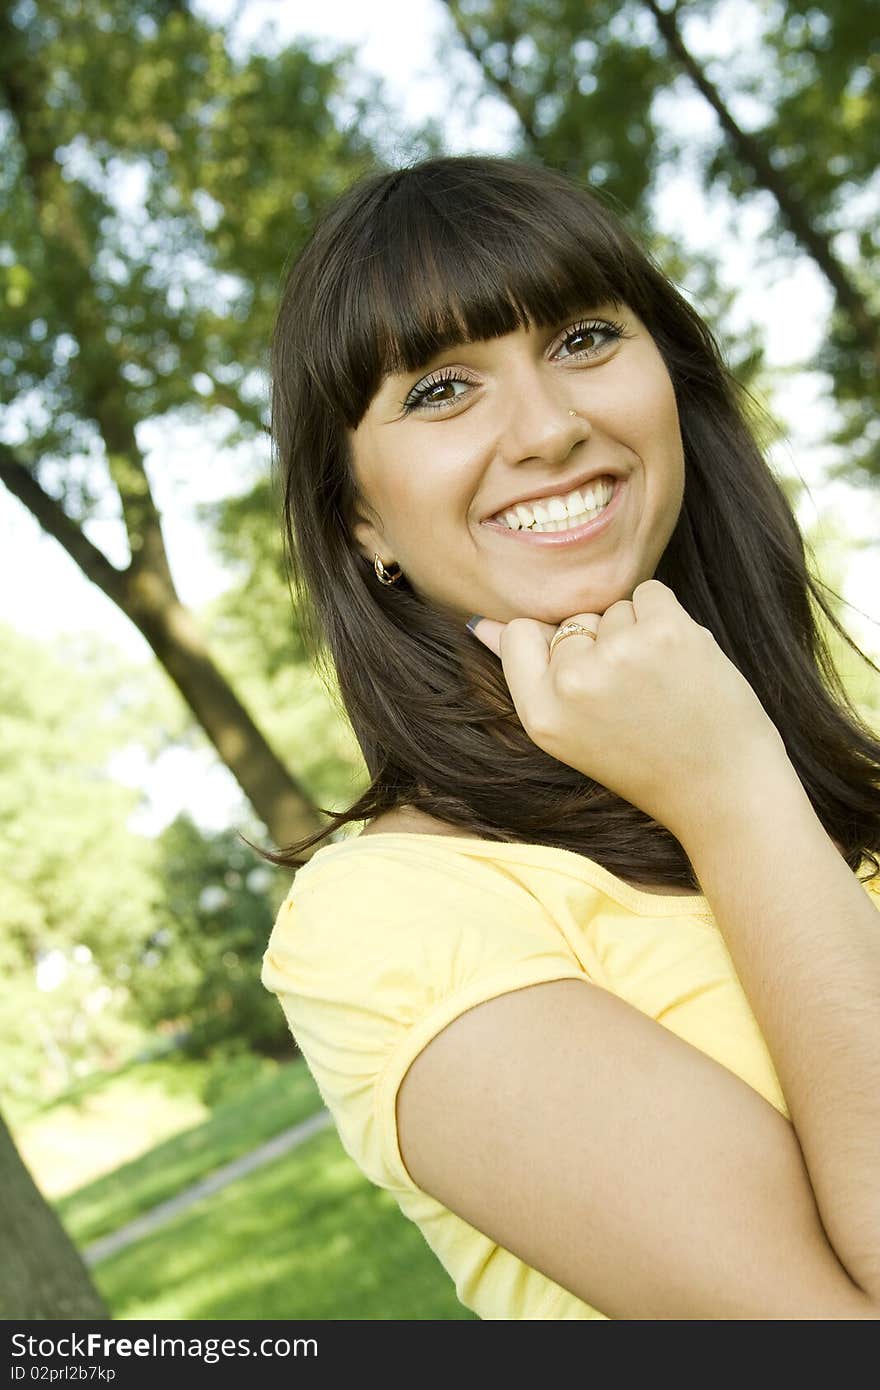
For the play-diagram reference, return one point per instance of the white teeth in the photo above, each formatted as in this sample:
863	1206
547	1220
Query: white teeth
559	513
569	523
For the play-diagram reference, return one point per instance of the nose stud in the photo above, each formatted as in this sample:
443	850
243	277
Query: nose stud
571	412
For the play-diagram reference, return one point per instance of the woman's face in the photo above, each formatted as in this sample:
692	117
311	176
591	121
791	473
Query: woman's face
486	425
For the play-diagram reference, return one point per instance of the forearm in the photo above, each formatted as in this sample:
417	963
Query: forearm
804	938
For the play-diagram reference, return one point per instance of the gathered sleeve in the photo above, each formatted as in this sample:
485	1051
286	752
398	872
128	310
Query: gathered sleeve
375	950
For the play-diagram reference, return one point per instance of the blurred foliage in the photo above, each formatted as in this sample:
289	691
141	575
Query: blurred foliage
816	79
156	183
594	86
110	938
183	178
201	965
79	887
830	547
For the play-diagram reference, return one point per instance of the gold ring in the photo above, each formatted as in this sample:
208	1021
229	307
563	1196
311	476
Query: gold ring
570	630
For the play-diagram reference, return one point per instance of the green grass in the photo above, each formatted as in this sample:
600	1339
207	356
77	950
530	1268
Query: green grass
253	1114
94	1130
180	1075
307	1236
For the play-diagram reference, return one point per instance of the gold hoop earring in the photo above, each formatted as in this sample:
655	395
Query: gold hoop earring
385	576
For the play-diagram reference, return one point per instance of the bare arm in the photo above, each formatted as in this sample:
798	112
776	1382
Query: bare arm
804	939
636	1171
620	1161
585	1136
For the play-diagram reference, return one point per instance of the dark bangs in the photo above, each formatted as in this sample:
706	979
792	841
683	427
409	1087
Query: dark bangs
438	260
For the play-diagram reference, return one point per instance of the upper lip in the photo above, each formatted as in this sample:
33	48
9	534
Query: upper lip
555	489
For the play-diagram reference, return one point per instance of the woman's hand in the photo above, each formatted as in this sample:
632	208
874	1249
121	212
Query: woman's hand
652	709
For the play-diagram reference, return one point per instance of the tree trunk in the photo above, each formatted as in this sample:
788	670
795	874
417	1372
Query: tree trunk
42	1275
146	595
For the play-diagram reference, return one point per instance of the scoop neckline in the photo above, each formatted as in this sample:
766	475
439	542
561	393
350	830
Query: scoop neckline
662	904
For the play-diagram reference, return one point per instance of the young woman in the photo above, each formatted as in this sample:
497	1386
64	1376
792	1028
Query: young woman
596	991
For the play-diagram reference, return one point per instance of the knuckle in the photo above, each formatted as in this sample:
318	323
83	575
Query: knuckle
570	682
618	603
620	650
537	724
664	635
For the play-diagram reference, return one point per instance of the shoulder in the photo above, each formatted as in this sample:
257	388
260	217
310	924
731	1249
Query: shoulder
378	946
409	870
412	899
378	933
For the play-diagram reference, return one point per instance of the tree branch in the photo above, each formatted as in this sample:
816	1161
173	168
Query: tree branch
522	106
55	522
753	153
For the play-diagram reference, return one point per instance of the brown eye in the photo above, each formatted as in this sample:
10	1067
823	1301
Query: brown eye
600	329
424	395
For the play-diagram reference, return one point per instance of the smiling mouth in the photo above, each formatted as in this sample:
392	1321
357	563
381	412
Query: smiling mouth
560	513
569	531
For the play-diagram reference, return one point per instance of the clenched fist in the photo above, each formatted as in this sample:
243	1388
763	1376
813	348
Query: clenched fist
652	709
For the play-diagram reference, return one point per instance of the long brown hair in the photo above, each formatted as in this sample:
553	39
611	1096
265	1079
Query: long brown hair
404	264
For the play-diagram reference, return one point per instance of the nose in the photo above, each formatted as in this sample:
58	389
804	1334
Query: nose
539	422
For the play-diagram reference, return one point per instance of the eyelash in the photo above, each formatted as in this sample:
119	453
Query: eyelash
416	398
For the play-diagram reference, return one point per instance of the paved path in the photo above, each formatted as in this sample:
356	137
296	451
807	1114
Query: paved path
221	1177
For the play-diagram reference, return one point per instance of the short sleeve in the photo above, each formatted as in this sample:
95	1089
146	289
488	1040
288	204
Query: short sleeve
376	950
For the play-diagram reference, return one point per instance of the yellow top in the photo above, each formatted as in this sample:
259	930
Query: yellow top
384	939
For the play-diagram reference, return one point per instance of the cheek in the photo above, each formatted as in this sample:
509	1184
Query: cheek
434	488
660	430
658	406
394	491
